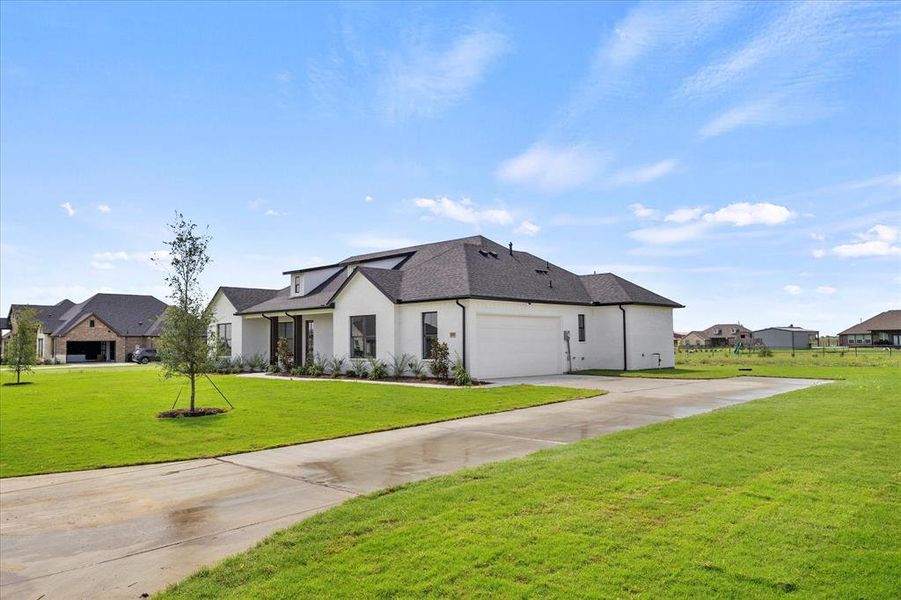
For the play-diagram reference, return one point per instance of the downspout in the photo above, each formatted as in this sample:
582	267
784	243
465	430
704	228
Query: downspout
625	347
463	337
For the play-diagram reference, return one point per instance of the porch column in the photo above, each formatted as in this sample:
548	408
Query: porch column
298	339
273	340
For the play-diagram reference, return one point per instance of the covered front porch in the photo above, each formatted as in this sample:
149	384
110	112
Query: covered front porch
308	333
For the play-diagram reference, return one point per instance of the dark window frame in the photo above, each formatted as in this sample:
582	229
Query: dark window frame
368	336
309	340
286	326
297	284
90	322
581	319
224	334
428	339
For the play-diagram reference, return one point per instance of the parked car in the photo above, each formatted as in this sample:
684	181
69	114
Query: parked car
145	355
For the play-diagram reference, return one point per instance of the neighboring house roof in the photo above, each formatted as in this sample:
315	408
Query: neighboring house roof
48	315
788	328
126	314
699	334
243	298
725	329
4	323
889	320
471	267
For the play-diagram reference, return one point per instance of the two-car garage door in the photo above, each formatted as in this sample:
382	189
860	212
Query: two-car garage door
510	346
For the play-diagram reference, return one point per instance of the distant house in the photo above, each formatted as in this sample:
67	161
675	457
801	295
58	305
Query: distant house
883	330
4	334
677	339
103	328
694	339
790	337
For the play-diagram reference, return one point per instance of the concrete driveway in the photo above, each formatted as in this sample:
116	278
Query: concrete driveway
119	533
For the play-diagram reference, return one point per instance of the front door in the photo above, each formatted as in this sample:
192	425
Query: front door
308	349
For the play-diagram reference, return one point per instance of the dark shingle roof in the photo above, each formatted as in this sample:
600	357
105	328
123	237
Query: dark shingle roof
4	323
126	314
889	320
243	298
48	315
471	267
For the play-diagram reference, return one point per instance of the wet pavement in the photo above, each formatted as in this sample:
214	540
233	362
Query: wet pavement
119	533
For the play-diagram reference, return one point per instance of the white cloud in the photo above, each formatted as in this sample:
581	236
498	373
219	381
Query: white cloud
564	219
551	168
426	82
684	215
879	240
643	212
107	260
67	206
464	211
368	199
818	253
888	180
644	174
104	209
527	228
271	213
670	235
255	204
826	290
794	290
817	236
744	213
378	242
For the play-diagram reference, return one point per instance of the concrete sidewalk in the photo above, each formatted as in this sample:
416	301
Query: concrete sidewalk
118	533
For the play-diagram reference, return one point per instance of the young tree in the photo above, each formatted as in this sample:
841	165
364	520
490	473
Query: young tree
186	348
21	348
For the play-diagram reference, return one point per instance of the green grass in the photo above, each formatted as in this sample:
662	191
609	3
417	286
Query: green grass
797	495
717	364
71	419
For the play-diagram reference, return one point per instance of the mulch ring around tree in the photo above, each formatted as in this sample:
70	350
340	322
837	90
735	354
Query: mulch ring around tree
187	412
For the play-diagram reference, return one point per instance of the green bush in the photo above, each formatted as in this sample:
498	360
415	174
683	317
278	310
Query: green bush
377	369
461	377
399	364
359	367
440	360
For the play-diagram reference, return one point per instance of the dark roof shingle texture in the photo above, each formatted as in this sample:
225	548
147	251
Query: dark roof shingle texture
889	320
471	267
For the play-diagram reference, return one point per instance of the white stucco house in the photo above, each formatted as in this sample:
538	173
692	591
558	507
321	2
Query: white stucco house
504	312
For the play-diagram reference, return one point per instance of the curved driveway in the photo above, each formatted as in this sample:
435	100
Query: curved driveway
120	533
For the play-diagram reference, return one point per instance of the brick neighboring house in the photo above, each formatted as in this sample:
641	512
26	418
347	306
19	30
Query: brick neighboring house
881	331
718	336
103	328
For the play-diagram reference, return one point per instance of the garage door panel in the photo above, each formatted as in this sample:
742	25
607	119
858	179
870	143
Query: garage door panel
510	346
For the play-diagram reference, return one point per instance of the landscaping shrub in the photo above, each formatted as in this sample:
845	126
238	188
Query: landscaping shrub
299	371
377	369
440	360
461	377
359	367
256	363
417	367
336	365
284	356
399	364
765	352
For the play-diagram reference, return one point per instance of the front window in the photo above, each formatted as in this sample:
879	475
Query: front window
429	333
286	330
297	284
91	323
581	328
311	332
224	333
362	336
40	347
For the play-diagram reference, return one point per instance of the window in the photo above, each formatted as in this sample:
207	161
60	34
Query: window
581	328
286	330
362	336
734	330
717	331
40	347
429	333
308	349
91	323
224	333
297	284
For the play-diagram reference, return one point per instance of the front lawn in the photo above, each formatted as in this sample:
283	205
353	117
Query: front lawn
796	494
72	419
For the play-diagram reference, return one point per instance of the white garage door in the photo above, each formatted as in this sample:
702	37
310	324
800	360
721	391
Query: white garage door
517	346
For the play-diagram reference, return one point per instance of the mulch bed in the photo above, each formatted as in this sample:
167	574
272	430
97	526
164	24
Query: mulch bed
187	412
430	380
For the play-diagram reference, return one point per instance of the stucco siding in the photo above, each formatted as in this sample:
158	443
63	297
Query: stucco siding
359	297
224	312
650	332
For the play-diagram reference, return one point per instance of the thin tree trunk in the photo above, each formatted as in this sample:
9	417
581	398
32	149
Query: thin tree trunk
192	392
18	375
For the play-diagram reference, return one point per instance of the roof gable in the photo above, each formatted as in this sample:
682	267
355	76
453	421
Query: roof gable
889	320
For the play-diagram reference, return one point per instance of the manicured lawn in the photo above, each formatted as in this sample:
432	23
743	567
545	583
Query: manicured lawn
71	419
724	363
796	494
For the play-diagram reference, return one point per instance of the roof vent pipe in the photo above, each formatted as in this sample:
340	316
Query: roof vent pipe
511	248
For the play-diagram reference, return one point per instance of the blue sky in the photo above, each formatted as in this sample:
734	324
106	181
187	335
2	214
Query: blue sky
743	159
